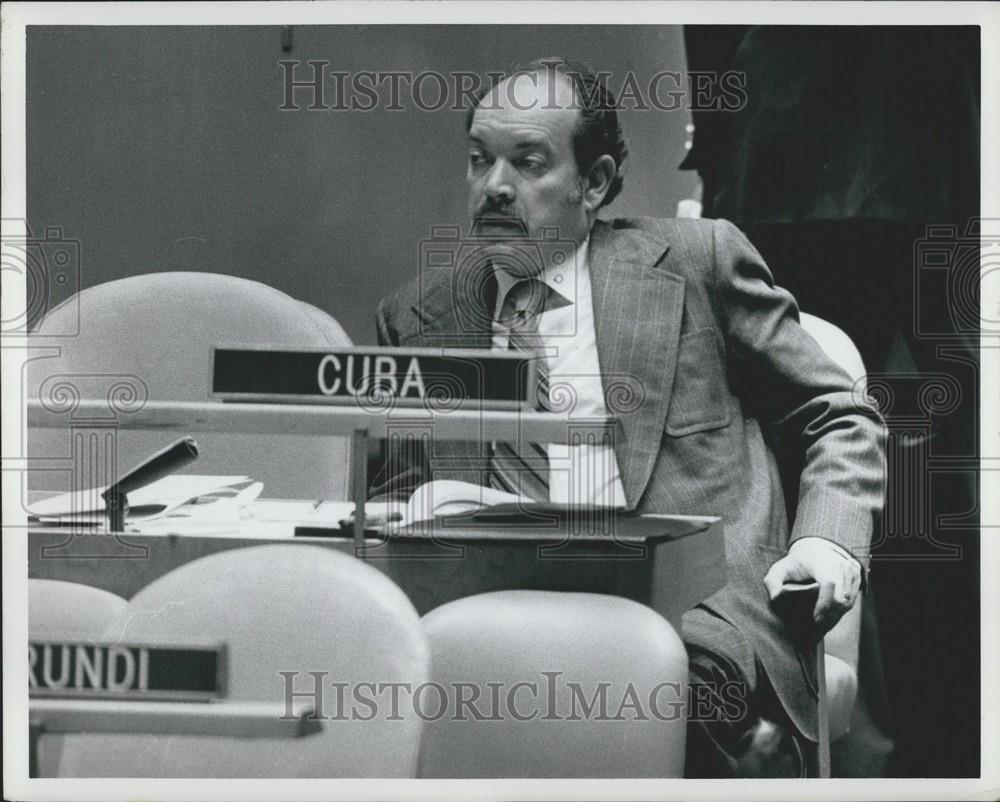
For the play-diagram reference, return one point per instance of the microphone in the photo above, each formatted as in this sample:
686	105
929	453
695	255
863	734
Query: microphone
163	463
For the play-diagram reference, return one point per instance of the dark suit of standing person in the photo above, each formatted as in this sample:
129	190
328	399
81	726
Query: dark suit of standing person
688	315
854	168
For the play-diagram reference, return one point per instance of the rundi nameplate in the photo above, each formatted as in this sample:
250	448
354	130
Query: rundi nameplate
376	377
85	670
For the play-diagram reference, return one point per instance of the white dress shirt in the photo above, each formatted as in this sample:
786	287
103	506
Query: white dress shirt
586	474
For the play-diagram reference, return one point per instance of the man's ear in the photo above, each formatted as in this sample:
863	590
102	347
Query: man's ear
597	181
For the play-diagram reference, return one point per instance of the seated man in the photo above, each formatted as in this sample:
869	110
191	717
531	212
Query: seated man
687	313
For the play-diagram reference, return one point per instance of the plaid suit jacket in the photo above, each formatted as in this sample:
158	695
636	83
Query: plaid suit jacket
701	354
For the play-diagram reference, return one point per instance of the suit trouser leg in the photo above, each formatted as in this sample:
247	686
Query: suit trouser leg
729	692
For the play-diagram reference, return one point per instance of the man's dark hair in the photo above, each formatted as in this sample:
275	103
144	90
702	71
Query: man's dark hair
597	131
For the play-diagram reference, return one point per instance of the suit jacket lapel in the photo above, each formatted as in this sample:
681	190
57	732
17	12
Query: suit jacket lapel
456	311
456	306
637	320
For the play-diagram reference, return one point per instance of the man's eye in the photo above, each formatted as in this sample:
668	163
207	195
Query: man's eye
532	163
477	159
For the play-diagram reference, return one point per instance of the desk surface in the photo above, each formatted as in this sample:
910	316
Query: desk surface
672	566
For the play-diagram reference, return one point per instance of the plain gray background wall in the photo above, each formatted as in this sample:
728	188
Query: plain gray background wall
165	149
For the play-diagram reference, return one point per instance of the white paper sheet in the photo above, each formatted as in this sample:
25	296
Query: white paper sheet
155	498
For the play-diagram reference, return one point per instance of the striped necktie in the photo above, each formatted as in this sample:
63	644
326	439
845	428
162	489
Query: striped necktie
523	468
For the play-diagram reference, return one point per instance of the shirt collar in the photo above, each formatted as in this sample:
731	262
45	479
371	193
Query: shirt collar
561	278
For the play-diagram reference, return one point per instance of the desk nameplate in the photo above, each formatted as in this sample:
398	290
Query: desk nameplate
75	669
376	378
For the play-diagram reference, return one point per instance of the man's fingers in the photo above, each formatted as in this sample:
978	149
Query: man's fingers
775	578
839	581
847	587
836	597
826	613
854	583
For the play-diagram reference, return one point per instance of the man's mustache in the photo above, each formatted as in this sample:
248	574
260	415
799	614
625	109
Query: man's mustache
490	215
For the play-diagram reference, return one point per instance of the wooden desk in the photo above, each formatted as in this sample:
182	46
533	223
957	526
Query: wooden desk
672	570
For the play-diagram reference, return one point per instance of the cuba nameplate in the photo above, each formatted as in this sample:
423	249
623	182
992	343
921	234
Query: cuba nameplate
85	670
377	377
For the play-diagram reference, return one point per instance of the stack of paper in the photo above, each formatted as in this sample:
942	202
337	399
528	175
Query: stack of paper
155	500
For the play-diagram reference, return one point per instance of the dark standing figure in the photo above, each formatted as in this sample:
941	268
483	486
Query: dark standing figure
856	154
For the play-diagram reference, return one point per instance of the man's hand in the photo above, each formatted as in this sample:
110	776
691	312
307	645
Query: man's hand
814	559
